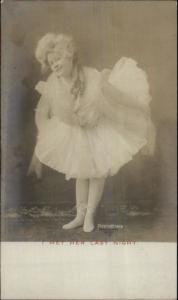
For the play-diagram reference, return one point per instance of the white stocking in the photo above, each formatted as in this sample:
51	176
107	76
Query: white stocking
82	187
96	187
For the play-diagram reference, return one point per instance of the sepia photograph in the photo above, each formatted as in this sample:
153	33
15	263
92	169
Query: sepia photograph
88	121
89	140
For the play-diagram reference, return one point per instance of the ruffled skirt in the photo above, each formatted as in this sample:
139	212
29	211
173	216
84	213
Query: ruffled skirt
87	152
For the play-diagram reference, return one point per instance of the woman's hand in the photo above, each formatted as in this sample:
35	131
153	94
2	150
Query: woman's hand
87	117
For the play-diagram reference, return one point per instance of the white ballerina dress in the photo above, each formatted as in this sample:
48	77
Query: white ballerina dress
92	136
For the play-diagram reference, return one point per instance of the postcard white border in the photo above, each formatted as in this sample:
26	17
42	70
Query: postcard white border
33	270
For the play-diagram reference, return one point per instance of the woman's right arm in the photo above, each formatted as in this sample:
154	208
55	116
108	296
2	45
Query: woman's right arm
41	118
42	113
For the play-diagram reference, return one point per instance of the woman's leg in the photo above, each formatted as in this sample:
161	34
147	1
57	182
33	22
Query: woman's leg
82	187
96	187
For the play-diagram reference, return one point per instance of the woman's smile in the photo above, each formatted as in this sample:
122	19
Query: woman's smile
60	65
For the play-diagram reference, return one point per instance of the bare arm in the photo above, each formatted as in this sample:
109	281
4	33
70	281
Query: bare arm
42	113
41	116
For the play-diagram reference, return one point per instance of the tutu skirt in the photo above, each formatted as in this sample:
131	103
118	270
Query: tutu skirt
85	153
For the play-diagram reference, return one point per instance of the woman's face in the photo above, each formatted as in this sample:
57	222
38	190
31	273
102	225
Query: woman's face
61	64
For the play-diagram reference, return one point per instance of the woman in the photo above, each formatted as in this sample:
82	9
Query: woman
90	123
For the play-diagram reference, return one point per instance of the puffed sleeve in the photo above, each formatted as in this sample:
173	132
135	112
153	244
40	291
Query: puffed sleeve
40	87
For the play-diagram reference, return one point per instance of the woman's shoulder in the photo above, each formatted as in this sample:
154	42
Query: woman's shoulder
91	73
51	79
92	83
92	77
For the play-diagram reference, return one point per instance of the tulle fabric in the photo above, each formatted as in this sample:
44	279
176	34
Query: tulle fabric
105	141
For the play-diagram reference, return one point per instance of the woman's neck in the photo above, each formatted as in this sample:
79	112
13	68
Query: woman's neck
71	78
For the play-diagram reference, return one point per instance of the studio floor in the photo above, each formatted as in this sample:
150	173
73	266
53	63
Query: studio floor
123	225
130	229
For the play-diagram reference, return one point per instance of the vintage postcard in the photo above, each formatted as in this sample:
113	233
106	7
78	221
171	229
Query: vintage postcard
88	149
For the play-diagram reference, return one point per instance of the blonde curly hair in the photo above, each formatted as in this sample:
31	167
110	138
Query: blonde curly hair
65	44
54	42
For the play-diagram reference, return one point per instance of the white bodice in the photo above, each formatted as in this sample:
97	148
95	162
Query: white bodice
85	110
